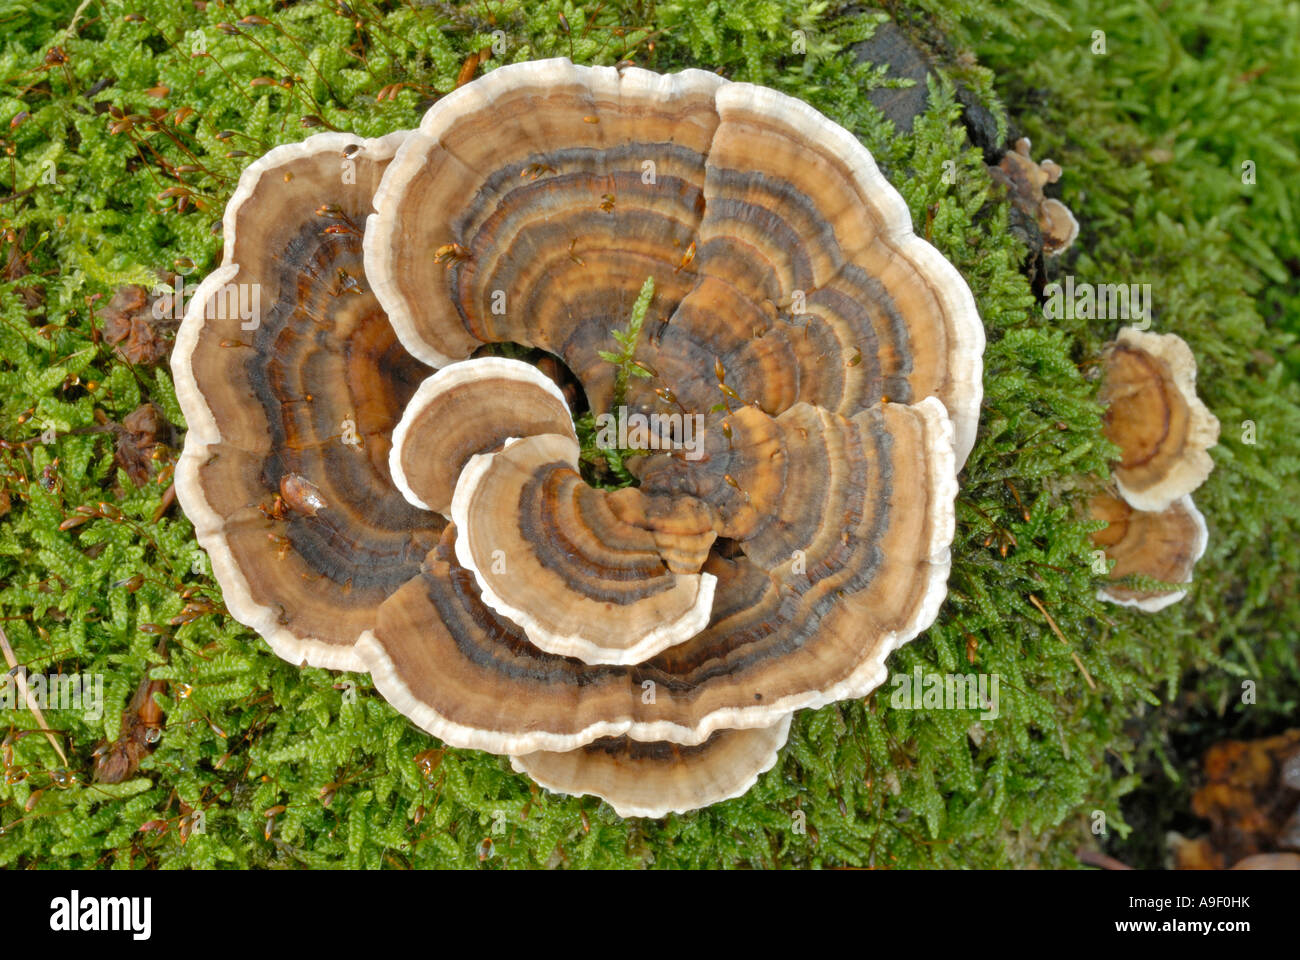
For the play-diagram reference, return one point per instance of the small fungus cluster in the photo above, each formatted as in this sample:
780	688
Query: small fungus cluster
378	492
1024	180
1164	433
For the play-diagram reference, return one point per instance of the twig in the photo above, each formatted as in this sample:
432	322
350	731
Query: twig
20	679
1091	858
1057	630
71	28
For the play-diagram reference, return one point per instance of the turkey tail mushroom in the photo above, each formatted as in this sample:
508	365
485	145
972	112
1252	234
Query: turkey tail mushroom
655	779
291	379
812	630
465	409
556	557
1153	414
534	202
1164	432
648	644
1163	545
1024	180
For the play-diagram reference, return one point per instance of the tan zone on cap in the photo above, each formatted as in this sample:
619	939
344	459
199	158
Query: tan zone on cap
647	645
1153	414
284	354
1163	545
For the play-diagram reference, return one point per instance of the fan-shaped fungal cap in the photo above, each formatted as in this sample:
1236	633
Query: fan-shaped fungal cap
465	409
1059	227
560	558
291	381
655	779
1163	545
815	628
531	205
1153	414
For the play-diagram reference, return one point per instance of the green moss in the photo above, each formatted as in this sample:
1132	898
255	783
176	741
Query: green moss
1150	172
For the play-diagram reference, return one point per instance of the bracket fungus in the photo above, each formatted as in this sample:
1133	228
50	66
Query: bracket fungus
291	381
584	581
644	779
649	644
1163	545
1163	431
467	409
1024	180
537	199
1153	414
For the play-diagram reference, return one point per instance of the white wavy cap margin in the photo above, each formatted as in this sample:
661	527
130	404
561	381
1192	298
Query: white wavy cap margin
966	329
204	431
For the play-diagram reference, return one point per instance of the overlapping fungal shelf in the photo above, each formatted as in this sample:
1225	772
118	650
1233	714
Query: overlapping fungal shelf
646	645
268	408
1161	544
1163	429
1164	433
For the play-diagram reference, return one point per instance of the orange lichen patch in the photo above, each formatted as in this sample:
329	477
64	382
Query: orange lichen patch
1163	545
1251	798
1153	414
1024	180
